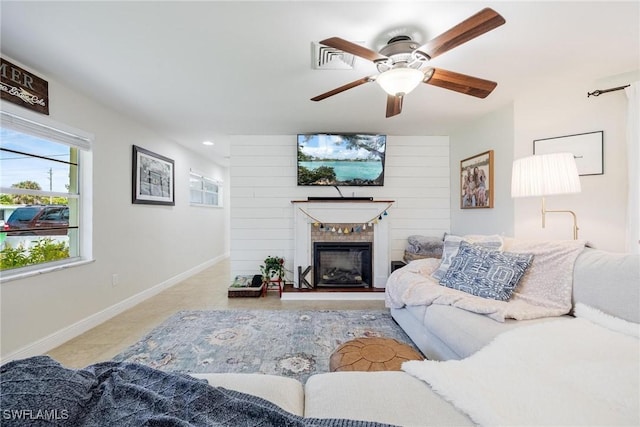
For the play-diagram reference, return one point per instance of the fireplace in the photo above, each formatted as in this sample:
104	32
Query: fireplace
342	264
340	221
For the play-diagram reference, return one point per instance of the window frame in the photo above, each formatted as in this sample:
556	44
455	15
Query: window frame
203	179
46	128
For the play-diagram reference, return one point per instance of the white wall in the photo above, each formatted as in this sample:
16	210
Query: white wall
147	246
563	109
548	110
263	184
492	132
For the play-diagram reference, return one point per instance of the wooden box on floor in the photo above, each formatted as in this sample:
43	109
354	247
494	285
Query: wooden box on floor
241	287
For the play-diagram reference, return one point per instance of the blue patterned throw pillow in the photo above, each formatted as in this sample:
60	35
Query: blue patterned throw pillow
486	273
452	243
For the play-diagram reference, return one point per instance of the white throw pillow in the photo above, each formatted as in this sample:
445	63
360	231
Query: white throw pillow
452	243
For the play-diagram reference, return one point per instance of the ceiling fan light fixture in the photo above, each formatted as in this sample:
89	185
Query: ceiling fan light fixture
400	81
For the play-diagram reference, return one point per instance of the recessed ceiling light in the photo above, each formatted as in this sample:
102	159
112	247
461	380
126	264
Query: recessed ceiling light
207	143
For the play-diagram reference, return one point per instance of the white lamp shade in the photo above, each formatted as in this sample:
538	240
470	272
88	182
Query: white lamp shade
400	81
545	175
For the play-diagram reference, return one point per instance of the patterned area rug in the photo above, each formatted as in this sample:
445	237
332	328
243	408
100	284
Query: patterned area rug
296	344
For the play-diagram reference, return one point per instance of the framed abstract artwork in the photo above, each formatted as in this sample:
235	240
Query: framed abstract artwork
153	181
587	150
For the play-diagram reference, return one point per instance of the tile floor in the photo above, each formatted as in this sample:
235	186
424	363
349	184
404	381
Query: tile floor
204	291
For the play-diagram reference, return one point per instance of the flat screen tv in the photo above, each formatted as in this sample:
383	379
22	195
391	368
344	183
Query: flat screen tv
333	159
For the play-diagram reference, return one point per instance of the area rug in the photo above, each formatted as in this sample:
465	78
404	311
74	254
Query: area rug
292	343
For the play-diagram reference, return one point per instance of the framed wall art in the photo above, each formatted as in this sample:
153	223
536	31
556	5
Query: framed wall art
153	178
476	181
587	149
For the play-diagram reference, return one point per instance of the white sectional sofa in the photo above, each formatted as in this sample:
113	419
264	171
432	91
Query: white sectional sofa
390	397
606	281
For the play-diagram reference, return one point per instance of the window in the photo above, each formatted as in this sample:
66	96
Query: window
40	180
204	191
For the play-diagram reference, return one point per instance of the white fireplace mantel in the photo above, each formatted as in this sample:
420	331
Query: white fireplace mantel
341	211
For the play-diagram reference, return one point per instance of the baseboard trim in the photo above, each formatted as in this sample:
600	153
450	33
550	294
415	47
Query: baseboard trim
65	334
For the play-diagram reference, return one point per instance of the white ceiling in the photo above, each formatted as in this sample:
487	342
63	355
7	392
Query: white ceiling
205	70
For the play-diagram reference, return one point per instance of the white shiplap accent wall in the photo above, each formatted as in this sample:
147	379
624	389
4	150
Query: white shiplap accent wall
263	184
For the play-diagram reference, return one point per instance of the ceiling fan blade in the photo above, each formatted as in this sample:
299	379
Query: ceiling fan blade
353	48
341	89
394	105
462	83
485	20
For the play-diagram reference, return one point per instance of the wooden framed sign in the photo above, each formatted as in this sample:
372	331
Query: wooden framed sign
21	87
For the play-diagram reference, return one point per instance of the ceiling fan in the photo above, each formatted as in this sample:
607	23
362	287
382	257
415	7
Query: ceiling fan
402	62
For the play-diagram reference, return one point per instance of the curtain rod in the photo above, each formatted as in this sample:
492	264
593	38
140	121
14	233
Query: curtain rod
599	92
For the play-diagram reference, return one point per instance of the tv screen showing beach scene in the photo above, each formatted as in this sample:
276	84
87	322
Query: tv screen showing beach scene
341	159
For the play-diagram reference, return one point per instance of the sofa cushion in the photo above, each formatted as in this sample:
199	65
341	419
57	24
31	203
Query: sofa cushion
466	332
411	320
547	283
609	282
452	243
485	272
391	397
607	321
285	392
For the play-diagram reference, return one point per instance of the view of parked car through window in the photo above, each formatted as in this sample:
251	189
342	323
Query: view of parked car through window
38	221
39	199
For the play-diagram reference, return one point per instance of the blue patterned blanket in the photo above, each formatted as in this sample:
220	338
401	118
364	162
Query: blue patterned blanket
39	391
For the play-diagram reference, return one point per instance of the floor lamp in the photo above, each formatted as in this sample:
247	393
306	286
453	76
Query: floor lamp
546	175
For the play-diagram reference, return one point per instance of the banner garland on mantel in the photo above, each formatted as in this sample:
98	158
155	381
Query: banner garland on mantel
357	229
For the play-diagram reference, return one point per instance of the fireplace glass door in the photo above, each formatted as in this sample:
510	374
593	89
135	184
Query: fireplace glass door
342	264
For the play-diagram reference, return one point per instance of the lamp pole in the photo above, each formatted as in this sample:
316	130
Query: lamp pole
575	218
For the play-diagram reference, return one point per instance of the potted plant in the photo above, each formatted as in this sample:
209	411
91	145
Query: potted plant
273	268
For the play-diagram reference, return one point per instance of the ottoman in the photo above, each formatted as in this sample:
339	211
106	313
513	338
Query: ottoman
372	354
